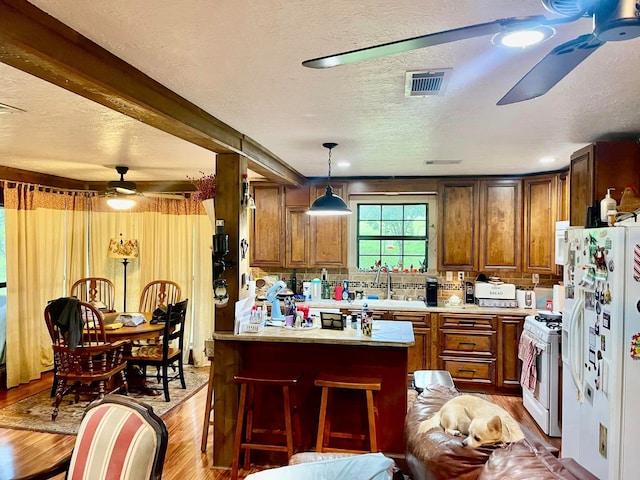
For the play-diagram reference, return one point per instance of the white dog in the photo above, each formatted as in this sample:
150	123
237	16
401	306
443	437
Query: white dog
483	422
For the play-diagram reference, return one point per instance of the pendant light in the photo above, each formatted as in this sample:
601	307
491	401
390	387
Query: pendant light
329	203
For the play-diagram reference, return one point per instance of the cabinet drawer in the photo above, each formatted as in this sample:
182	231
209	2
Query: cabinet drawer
467	321
418	319
456	343
469	371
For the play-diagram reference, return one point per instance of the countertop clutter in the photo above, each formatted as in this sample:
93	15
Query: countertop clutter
388	333
418	306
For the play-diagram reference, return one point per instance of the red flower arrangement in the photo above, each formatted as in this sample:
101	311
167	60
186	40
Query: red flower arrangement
205	185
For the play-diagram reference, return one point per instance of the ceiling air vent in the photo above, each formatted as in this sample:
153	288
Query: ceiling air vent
427	82
442	162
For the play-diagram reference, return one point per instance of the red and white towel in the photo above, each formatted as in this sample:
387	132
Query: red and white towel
527	352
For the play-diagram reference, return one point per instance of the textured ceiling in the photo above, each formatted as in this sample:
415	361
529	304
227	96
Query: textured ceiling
241	62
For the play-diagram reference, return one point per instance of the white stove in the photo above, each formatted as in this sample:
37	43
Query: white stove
543	403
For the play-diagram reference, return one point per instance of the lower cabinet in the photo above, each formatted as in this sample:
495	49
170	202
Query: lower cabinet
420	353
480	351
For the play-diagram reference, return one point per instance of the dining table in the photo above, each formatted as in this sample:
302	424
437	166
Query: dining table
144	331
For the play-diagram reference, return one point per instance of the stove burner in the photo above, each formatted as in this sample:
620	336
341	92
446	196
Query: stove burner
554	325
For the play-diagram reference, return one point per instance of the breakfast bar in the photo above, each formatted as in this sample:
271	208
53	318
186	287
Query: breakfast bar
311	351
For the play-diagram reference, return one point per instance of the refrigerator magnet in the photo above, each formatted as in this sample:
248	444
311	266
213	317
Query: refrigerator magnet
635	346
606	320
636	262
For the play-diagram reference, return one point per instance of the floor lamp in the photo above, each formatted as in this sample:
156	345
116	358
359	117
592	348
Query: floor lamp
124	249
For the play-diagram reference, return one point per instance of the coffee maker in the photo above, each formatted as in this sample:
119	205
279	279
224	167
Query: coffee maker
432	292
469	292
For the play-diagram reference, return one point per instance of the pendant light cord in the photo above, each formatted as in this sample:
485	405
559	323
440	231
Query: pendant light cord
329	178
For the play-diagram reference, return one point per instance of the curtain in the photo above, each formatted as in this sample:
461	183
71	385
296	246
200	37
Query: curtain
40	254
56	238
174	236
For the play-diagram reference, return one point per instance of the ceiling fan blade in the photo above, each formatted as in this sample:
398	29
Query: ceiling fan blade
429	40
170	196
124	190
552	68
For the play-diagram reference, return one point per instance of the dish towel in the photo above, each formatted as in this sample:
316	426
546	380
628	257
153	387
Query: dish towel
527	352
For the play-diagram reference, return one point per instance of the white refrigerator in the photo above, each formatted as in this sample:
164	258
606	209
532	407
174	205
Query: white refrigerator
601	350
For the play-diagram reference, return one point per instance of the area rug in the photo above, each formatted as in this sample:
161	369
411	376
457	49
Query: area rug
34	413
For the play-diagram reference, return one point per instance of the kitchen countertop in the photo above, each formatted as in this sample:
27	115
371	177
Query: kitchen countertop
386	333
417	306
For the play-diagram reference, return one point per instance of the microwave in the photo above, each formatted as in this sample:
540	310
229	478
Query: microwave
561	241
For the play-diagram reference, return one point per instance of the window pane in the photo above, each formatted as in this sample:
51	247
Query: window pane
392	228
415	211
415	228
369	212
367	261
392	212
369	227
415	247
369	247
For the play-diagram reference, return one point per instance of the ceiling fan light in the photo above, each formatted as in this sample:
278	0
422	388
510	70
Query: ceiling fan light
523	38
120	203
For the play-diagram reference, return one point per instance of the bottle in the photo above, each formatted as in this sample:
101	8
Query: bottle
608	203
345	290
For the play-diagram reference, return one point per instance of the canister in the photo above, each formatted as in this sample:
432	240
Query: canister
316	289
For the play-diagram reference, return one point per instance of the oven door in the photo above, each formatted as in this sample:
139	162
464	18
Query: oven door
542	392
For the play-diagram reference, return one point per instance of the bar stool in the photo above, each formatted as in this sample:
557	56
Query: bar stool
327	382
248	382
208	409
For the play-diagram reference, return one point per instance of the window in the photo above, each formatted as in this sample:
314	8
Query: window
3	289
397	234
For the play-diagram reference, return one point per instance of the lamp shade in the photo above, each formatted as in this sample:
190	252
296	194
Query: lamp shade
121	248
329	204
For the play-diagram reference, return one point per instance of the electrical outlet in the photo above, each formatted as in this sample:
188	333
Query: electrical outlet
535	278
602	441
449	276
461	276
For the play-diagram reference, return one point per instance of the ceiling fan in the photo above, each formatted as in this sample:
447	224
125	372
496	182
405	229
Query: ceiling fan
613	20
119	190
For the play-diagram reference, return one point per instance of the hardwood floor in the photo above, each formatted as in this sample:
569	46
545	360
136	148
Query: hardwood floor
184	459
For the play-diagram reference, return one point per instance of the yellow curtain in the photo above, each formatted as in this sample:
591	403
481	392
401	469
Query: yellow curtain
174	236
40	255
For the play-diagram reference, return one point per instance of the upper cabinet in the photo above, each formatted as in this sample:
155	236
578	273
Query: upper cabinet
328	235
500	224
597	167
283	235
540	214
458	225
267	232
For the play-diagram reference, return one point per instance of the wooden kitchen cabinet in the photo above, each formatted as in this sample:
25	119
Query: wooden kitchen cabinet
500	224
510	366
283	235
597	167
458	225
267	230
328	235
467	349
420	353
540	204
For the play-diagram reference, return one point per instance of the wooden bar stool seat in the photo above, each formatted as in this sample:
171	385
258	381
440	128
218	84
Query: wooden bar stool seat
325	434
244	440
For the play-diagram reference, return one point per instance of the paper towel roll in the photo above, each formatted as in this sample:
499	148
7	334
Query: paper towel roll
252	288
558	298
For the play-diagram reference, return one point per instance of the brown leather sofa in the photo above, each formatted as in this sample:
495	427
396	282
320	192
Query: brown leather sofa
436	455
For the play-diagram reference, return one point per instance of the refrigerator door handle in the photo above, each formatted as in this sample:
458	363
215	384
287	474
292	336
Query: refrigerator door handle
575	342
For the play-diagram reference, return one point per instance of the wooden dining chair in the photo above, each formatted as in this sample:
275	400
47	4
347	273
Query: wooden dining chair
85	362
159	293
95	290
168	352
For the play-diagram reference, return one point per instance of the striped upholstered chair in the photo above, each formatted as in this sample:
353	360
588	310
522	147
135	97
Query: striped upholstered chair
119	438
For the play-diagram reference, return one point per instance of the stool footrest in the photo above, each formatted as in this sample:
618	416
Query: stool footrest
260	446
343	450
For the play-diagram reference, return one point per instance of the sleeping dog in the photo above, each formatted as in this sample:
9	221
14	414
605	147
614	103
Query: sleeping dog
481	421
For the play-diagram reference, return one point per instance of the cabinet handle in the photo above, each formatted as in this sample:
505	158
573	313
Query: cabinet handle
467	322
466	370
467	343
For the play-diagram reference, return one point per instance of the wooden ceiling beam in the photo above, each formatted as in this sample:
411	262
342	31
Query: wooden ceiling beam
36	43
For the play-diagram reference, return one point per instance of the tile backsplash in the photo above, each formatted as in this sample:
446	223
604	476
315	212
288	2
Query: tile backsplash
404	285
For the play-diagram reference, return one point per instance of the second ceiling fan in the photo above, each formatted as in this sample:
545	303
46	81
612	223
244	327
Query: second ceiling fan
613	20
